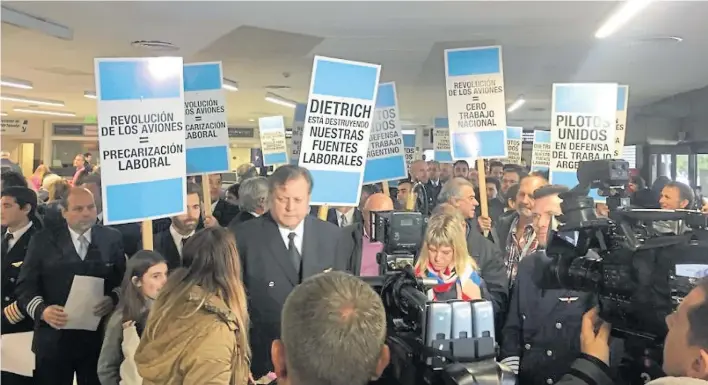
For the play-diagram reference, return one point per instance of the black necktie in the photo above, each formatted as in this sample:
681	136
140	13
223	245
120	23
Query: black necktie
294	254
184	241
6	243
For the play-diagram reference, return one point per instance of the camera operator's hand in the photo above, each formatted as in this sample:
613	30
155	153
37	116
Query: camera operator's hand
705	208
595	335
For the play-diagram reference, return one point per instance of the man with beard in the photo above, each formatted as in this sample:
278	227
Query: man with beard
55	258
169	242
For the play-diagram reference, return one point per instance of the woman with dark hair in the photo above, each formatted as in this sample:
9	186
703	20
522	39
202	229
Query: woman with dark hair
197	331
145	275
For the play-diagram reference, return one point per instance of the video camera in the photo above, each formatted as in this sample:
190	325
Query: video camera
641	274
436	342
401	233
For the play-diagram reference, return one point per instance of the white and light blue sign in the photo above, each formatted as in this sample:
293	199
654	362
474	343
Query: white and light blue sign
541	152
441	140
514	143
340	112
582	128
411	146
386	159
205	119
621	126
273	144
296	138
476	106
141	138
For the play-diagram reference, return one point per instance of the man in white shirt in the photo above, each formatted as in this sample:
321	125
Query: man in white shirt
280	249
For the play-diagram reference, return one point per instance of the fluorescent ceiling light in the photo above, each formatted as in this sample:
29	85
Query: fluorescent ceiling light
273	98
408	132
22	99
518	103
624	13
44	112
27	21
229	85
15	83
3	113
90	94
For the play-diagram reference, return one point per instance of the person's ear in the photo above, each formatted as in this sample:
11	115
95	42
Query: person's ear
277	353
384	359
684	204
699	367
136	281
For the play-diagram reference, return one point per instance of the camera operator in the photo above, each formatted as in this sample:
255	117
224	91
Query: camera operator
685	347
539	338
674	196
333	332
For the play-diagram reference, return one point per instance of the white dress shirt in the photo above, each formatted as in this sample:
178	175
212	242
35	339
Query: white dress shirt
177	238
299	234
77	244
255	215
349	215
213	205
17	234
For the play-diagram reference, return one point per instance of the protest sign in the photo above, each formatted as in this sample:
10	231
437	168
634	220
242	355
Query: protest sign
141	138
272	131
476	107
514	144
205	119
582	128
340	111
622	97
410	146
441	141
541	152
386	157
296	138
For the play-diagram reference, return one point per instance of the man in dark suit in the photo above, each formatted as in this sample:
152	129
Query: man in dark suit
278	250
344	216
222	210
253	194
169	242
18	209
55	257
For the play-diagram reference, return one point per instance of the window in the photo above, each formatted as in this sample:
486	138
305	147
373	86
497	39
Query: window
64	151
702	170
682	174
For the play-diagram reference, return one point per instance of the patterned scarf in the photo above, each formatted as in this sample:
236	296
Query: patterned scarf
467	288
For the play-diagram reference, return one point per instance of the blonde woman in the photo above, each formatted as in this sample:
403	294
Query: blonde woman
38	176
444	257
197	330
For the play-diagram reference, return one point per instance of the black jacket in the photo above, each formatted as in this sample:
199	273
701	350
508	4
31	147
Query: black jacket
490	261
224	212
587	370
269	275
48	272
14	317
241	217
503	226
542	327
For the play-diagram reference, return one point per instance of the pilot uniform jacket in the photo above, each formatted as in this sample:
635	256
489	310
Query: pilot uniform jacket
269	274
48	273
14	317
542	327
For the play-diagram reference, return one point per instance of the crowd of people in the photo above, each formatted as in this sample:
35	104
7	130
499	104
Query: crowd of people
257	288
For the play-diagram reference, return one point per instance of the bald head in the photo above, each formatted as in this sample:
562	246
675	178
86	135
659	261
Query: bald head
378	202
419	171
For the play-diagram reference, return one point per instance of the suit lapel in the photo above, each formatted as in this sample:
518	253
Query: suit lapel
66	244
279	250
309	249
18	251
